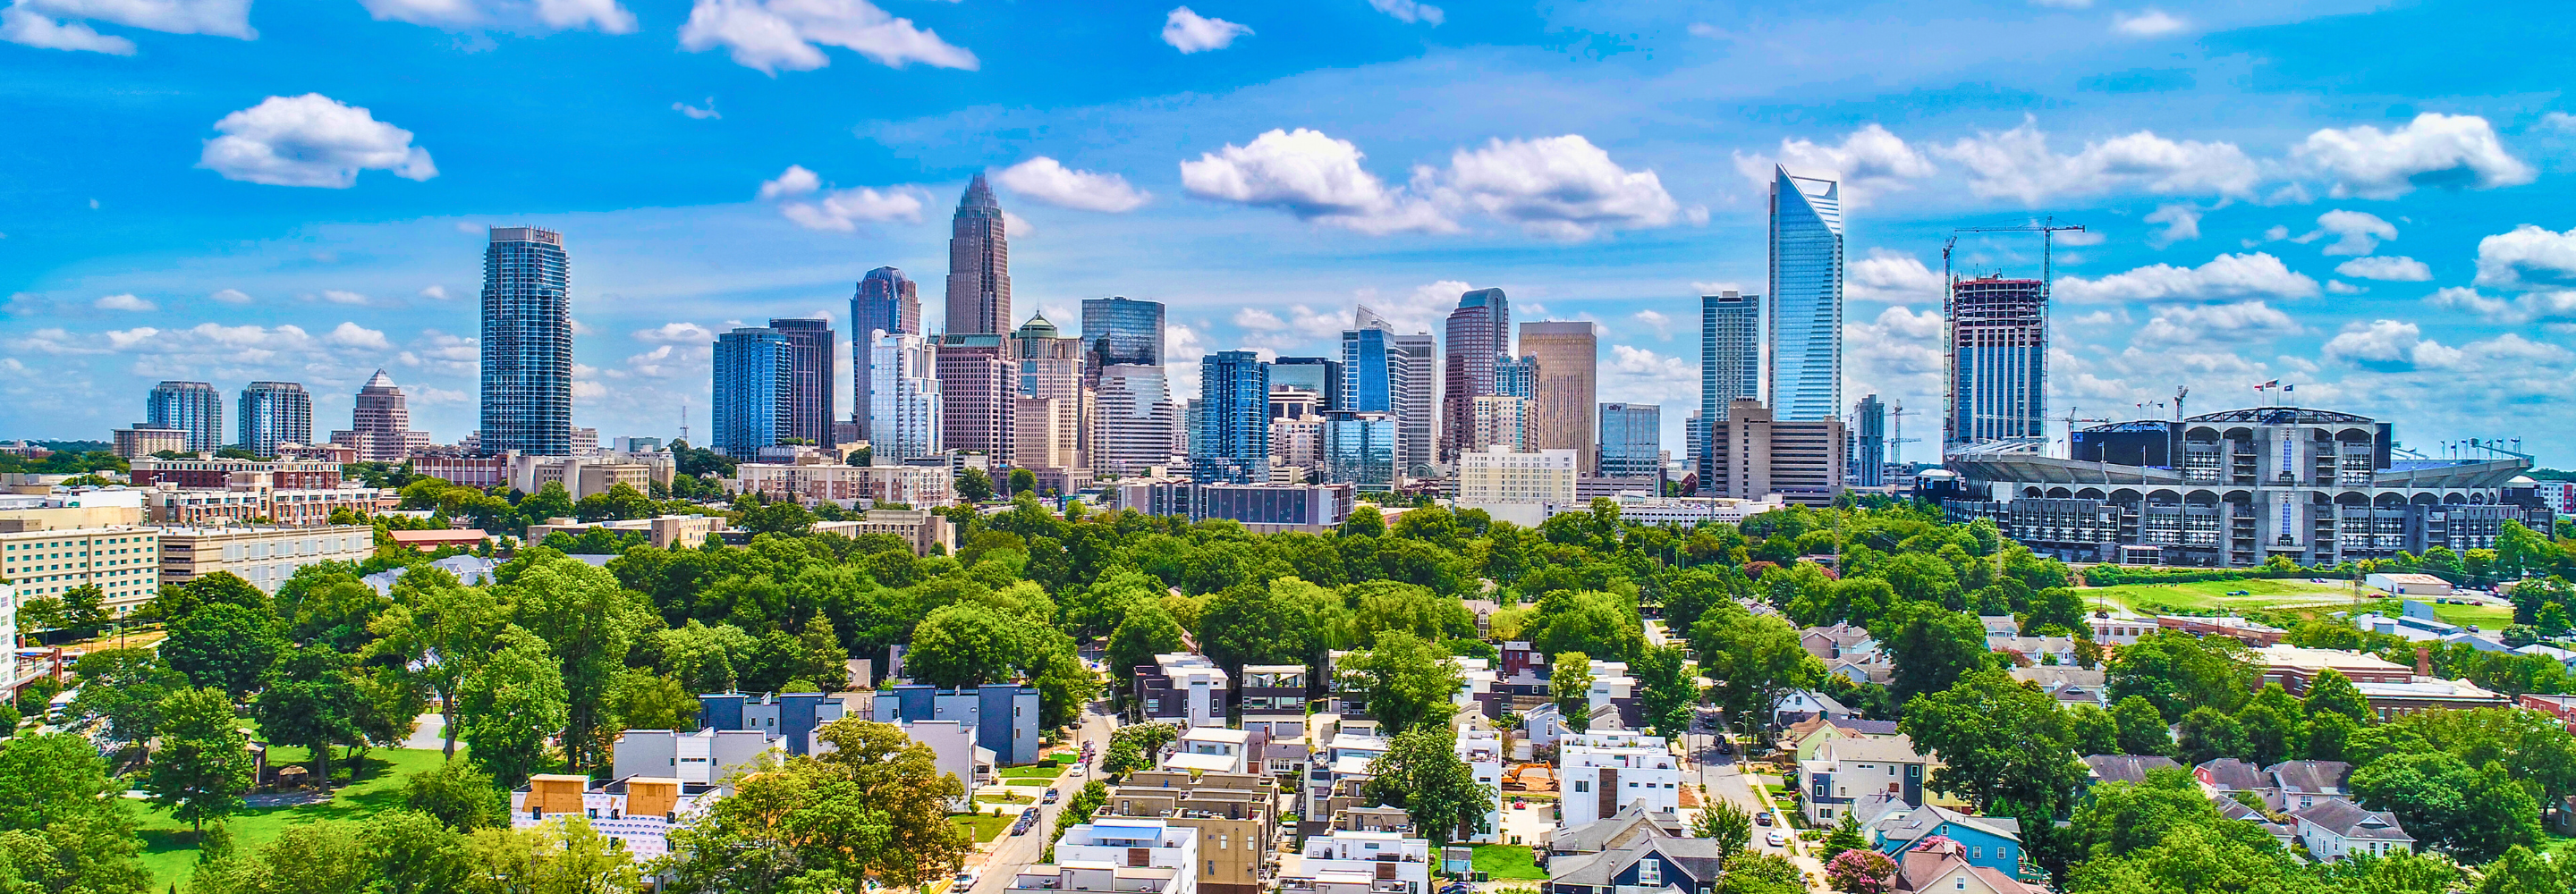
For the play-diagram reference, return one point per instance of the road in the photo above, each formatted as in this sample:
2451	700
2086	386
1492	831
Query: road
1722	776
1012	852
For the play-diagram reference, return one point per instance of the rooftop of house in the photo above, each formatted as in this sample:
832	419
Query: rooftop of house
2349	820
2126	767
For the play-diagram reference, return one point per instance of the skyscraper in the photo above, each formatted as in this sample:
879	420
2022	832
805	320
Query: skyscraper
1054	407
979	265
1998	360
811	379
1417	400
1730	361
1317	374
1869	442
977	376
1569	360
193	407
1480	332
1135	421
903	402
380	423
1807	298
1121	331
274	413
527	344
755	381
886	301
1386	372
1232	443
1632	440
1360	448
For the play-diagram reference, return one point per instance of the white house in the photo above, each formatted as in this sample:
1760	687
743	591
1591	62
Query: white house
2337	828
1128	847
1361	863
1599	773
1481	747
1212	749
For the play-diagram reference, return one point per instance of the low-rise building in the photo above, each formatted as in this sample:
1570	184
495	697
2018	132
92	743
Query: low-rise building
1002	716
638	811
925	531
1845	770
1600	773
2248	632
2132	768
295	507
786	717
1231	811
665	531
1126	843
1183	688
2408	584
1989	842
1654	863
1347	862
435	539
1273	699
205	472
144	440
1214	749
919	486
1942	866
2337	829
1642	508
705	757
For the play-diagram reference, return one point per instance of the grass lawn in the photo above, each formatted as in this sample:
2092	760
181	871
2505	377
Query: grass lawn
2486	617
1040	771
984	827
1005	799
1507	861
2212	594
170	851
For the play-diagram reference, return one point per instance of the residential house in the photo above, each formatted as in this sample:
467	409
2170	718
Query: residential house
2125	767
2058	650
1656	863
1231	811
1003	716
1992	842
1273	699
2335	829
1182	688
1346	862
2069	684
1844	770
1804	737
2298	785
1941	866
1115	849
2238	810
638	811
1480	746
1214	749
705	757
1631	826
1599	773
1806	703
1838	641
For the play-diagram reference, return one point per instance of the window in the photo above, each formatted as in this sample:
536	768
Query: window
1959	884
1582	785
1976	853
1650	872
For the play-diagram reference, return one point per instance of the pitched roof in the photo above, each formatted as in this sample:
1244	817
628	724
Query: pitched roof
1860	727
2311	777
1696	857
2348	820
2228	774
1923	824
1896	749
1630	825
2126	767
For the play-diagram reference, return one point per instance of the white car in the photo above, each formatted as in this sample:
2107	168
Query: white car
1776	839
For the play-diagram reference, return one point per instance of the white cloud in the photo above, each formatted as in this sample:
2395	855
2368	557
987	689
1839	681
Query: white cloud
1715	288
2339	287
1655	321
2181	220
2356	232
1890	275
1410	11
19	26
1636	375
1049	181
2226	276
1190	32
124	302
2529	257
677	333
311	140
352	335
2214	324
342	296
773	34
698	113
434	292
2064	4
840	210
60	25
2388	344
2386	268
2151	23
1314	177
543	15
1868	160
230	296
2018	163
2081	237
2452	151
1896	356
1560	187
2550	306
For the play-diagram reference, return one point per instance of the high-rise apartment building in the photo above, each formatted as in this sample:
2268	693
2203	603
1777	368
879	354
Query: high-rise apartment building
813	375
1480	334
1516	376
1730	359
1568	354
1232	442
273	413
1806	349
1360	448
754	390
978	374
380	423
1998	362
526	344
1119	331
193	407
886	301
903	401
1632	437
979	265
1321	375
1498	420
1869	442
1135	423
1417	401
1054	407
1754	456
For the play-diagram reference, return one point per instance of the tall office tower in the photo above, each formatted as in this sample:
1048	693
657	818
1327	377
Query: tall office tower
812	375
1998	359
1321	375
755	390
1869	442
274	413
1802	461
1417	403
1232	441
193	407
1053	432
1360	448
979	265
886	301
1806	297
1516	376
527	344
1502	419
1118	331
380	423
1384	372
1134	420
977	376
1480	333
1632	440
1730	360
903	403
1569	362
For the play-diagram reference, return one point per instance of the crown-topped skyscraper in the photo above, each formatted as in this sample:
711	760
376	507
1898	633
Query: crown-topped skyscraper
979	265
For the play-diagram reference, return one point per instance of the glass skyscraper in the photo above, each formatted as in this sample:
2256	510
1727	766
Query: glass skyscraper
1232	440
812	375
1806	298
754	384
979	265
903	403
1360	448
1317	374
1480	332
1869	442
193	407
1998	361
527	343
1632	440
1122	331
886	301
274	413
1730	360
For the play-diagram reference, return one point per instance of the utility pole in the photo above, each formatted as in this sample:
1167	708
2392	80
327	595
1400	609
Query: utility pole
2047	228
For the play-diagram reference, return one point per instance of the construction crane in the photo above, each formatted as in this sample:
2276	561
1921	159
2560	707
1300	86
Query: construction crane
2047	228
2070	421
1896	434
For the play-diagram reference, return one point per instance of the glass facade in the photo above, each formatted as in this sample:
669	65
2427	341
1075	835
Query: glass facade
886	301
1317	374
1480	333
1869	442
274	413
1359	448
1122	331
1807	298
903	405
193	407
1998	361
811	379
1632	440
526	344
754	383
979	265
1232	439
1730	358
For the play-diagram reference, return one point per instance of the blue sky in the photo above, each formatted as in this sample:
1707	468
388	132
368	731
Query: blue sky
2366	199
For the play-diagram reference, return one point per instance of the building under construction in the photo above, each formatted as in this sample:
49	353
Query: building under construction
1998	362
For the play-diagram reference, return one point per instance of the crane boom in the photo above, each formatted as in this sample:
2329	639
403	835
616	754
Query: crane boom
2047	228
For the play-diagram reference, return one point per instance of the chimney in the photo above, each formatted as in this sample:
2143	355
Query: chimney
2423	661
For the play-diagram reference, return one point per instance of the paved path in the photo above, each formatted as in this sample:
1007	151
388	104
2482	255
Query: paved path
428	733
1010	853
1725	778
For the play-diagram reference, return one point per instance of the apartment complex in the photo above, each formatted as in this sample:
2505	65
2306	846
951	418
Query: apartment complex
923	485
123	561
264	556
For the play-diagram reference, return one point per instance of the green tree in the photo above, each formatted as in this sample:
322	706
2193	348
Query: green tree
1289	621
1726	824
2275	730
1753	660
551	501
643	699
2143	731
785	517
1859	870
2333	692
873	809
1668	689
2091	730
588	622
2444	803
223	587
125	687
441	632
2178	672
458	794
2520	871
410	852
974	485
1600	624
1753	872
1404	681
1570	688
2001	742
1931	647
311	700
1422	773
2330	736
2207	734
1845	836
512	705
222	645
1146	631
1023	481
965	644
203	766
2189	860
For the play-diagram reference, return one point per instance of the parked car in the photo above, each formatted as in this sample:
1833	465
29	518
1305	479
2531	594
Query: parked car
1775	839
1051	795
1725	746
1762	819
965	880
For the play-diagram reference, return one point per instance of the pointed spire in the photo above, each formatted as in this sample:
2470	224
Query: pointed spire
379	381
978	194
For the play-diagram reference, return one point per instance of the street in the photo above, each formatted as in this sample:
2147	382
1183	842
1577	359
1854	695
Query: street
1722	776
1010	853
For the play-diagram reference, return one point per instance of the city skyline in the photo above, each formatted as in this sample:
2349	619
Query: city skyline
2276	244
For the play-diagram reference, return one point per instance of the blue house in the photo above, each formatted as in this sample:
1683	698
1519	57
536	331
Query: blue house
1689	864
1992	842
